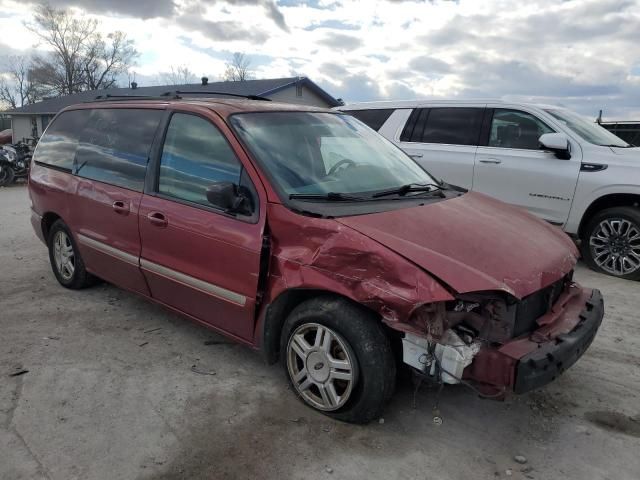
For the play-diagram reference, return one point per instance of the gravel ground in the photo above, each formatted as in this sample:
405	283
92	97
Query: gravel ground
110	394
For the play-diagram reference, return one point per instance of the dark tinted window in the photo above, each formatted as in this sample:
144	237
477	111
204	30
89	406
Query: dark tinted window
114	146
516	129
58	147
195	155
407	132
421	121
372	118
457	126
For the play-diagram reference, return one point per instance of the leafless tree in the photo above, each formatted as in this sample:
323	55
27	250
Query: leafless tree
81	58
178	75
107	59
16	82
239	69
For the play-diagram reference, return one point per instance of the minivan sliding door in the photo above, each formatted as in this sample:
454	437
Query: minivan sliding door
110	165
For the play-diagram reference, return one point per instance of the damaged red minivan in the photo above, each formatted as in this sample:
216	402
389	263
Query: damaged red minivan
306	235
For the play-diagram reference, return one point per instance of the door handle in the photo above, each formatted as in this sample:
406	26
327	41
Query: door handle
494	161
415	155
120	207
157	219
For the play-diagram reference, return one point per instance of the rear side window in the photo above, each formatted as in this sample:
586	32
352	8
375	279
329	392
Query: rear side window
57	148
114	146
372	118
195	155
456	126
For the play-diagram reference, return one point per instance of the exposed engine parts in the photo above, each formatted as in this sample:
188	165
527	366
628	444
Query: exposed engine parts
445	360
455	331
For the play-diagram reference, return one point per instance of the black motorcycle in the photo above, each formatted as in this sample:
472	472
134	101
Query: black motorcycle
15	160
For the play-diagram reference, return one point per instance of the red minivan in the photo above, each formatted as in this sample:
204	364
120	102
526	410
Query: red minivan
303	233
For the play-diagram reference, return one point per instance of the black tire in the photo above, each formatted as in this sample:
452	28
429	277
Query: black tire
80	278
615	214
7	176
367	344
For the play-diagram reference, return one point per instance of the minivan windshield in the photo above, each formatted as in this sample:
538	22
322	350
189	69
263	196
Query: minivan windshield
589	131
324	154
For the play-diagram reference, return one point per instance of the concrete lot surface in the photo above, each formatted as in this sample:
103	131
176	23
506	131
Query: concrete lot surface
110	394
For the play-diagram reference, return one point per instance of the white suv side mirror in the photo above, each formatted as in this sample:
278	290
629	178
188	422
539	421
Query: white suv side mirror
558	143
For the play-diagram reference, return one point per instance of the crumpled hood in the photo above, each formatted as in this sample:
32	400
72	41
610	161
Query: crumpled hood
474	243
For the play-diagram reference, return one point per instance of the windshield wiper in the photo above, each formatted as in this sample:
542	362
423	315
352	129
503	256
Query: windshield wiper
330	196
616	146
412	187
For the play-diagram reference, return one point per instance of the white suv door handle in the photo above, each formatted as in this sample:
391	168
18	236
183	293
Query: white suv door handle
415	155
495	161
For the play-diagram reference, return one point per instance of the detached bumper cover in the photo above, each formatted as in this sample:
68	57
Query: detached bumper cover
552	358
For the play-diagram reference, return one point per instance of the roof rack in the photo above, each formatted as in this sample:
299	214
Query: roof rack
109	97
174	95
178	94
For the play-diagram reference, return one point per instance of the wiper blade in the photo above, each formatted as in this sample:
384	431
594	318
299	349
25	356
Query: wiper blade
617	146
411	187
330	196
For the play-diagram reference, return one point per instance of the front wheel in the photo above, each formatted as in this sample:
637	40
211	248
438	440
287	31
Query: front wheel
611	242
338	359
6	175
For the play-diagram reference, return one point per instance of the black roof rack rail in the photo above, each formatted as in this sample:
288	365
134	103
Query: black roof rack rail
109	97
173	95
178	93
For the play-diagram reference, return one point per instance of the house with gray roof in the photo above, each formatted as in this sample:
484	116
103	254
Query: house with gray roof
29	122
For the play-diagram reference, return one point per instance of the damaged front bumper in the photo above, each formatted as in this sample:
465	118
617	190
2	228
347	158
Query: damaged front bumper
552	358
529	362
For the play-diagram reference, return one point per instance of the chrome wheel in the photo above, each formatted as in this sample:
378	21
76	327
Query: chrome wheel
321	366
63	255
615	246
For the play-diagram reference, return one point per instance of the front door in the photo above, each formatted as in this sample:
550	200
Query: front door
197	258
513	168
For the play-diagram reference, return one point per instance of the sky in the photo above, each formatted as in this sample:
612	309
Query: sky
582	54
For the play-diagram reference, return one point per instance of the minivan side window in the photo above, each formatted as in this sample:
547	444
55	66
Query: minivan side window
455	126
373	118
57	148
516	129
195	155
114	146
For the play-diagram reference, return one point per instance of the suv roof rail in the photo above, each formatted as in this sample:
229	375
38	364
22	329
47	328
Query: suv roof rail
180	93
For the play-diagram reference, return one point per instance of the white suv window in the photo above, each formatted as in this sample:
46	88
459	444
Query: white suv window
516	129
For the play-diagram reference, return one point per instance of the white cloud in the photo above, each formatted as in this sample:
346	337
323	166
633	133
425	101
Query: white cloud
581	53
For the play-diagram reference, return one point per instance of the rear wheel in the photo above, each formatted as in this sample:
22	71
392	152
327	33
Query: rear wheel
66	262
338	359
6	175
611	242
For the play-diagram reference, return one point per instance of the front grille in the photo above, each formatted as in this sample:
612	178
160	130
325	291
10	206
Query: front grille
536	305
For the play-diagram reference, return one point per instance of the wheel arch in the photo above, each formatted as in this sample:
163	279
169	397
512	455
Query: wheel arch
48	219
607	201
278	310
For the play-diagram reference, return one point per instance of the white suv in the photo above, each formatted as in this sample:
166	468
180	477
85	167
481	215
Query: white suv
551	161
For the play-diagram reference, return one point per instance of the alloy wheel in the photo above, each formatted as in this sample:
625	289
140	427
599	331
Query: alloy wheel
615	246
63	255
321	366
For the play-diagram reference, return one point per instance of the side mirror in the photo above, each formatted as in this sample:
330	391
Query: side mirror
228	197
558	143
